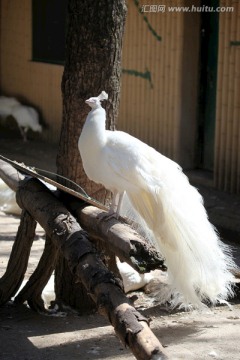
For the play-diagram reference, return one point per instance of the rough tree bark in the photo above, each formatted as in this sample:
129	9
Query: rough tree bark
18	261
123	240
33	289
93	64
102	285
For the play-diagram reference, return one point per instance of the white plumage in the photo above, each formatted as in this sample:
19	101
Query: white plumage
170	210
25	116
6	105
132	280
48	294
8	202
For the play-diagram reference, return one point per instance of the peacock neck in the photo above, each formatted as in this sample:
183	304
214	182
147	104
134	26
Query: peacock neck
95	126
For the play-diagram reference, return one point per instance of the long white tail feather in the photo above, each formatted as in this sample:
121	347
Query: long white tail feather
198	262
169	211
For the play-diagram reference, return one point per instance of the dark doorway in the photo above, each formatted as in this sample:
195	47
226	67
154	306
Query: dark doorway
208	83
49	23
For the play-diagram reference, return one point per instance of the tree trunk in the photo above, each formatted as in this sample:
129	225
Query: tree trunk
93	64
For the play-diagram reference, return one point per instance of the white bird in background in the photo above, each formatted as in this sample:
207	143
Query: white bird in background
170	210
132	280
25	116
8	202
6	105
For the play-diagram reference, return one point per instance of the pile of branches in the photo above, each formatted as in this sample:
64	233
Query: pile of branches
61	216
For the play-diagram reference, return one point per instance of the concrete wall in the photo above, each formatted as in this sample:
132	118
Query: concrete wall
34	83
159	83
153	82
227	144
151	110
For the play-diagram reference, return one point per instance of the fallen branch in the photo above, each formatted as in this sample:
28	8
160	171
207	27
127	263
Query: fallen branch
33	289
104	288
18	261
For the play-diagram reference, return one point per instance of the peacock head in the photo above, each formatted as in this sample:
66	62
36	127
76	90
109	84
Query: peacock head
95	102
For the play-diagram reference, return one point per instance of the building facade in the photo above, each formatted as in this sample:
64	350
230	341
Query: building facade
180	83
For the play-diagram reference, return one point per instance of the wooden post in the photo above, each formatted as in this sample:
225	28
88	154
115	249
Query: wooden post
18	261
32	291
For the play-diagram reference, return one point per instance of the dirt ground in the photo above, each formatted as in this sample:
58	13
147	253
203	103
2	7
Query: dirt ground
25	335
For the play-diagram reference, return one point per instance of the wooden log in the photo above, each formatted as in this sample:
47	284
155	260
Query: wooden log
17	264
104	288
10	175
119	237
124	241
32	291
18	261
